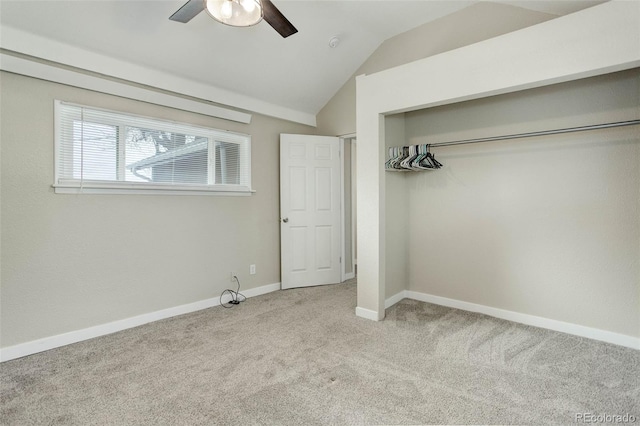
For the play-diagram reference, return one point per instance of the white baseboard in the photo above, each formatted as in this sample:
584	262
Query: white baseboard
44	344
550	324
395	299
367	314
259	291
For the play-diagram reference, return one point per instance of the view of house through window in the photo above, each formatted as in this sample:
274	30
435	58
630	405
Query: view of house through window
97	147
156	156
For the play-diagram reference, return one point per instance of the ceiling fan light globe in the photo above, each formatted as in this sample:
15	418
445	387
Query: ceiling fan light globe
226	11
248	5
237	13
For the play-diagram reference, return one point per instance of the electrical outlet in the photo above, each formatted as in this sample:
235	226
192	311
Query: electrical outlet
252	269
233	274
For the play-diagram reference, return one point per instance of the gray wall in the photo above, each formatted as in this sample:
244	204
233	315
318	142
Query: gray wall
547	226
74	261
470	25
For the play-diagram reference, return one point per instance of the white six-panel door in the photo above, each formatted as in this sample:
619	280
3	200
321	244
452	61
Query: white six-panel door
310	225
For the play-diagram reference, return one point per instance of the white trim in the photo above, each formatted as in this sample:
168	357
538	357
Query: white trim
65	112
75	186
343	248
367	314
352	274
354	193
138	191
549	324
51	50
259	291
76	79
395	299
348	136
44	344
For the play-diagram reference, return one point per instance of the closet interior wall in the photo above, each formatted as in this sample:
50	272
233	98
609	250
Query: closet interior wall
546	226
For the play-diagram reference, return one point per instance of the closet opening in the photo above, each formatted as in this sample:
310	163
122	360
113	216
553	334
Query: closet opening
533	209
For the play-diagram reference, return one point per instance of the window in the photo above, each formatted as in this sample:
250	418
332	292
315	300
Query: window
105	151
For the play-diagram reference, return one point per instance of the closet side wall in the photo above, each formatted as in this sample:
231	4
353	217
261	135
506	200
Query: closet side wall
546	226
397	215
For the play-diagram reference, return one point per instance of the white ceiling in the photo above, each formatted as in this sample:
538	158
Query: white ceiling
300	73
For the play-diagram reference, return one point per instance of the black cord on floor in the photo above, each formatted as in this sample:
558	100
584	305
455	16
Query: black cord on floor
235	296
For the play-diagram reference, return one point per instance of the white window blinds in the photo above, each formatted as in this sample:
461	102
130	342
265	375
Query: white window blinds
100	149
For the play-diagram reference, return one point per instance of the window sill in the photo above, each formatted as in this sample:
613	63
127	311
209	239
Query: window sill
117	188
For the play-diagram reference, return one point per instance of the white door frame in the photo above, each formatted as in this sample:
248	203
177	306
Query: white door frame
343	274
354	216
346	276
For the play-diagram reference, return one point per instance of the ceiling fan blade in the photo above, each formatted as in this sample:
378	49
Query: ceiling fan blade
276	19
188	11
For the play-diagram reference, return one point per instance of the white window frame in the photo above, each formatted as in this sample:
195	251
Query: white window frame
63	185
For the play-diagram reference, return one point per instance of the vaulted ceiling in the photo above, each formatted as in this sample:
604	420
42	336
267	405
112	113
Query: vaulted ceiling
248	68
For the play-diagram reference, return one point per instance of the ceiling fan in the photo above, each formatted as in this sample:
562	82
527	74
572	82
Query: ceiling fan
238	13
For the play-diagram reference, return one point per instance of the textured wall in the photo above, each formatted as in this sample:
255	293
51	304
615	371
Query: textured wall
547	226
75	261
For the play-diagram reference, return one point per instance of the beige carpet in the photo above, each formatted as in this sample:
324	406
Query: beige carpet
302	357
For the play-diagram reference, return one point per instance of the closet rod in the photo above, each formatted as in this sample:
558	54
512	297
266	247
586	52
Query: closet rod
540	133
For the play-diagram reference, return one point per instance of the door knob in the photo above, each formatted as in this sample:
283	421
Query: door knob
285	220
